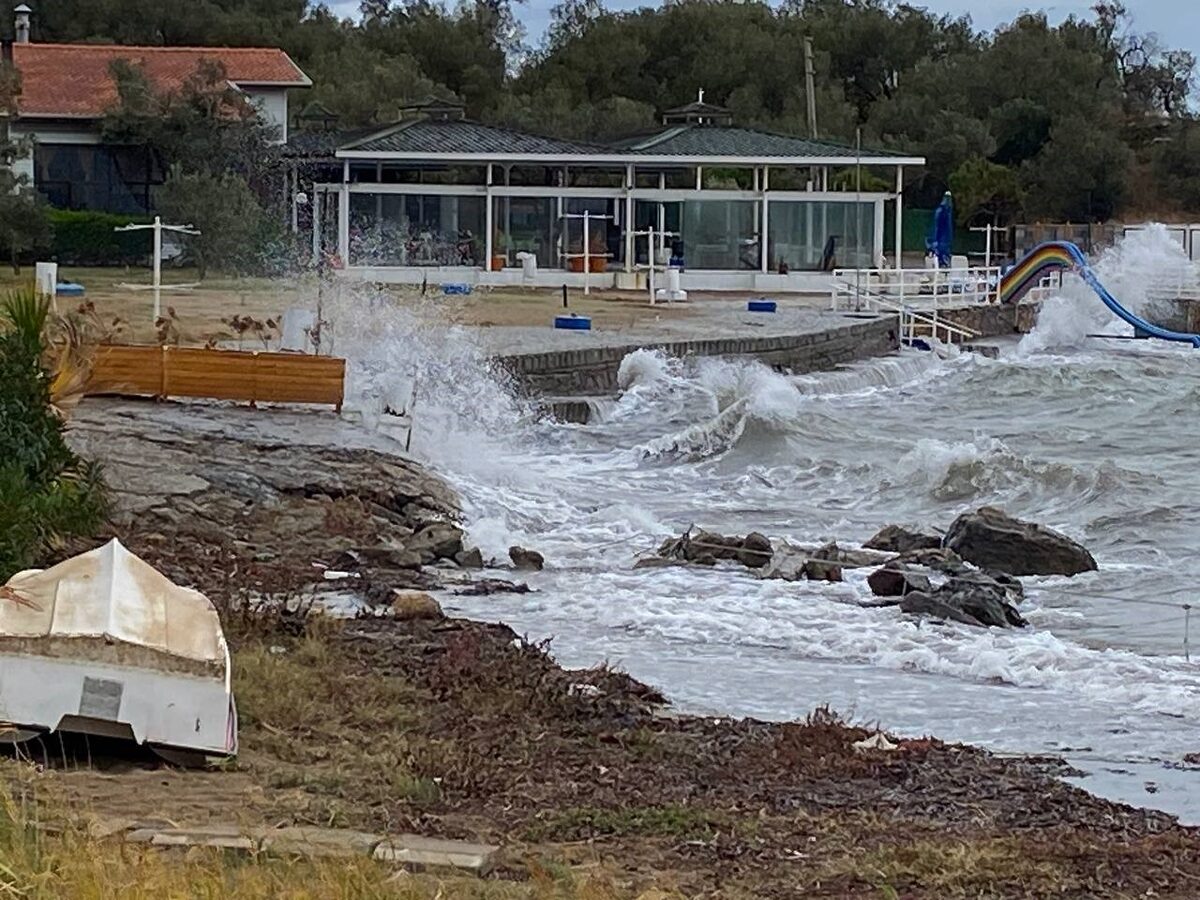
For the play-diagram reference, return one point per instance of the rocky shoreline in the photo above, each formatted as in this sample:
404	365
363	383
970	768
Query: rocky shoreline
456	729
970	575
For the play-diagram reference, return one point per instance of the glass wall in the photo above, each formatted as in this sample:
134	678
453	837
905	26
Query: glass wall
821	235
720	234
106	178
604	231
527	225
416	230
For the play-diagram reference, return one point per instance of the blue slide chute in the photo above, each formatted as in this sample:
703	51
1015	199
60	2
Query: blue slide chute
1065	255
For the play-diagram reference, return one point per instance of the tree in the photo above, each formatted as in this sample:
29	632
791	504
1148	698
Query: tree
205	125
24	219
1081	175
985	191
232	225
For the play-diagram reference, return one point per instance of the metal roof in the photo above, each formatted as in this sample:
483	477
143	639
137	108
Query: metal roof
438	137
723	140
674	145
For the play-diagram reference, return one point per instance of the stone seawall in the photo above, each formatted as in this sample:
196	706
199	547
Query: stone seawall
593	370
994	320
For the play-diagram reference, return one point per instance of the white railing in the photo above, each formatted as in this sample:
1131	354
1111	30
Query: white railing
915	321
931	289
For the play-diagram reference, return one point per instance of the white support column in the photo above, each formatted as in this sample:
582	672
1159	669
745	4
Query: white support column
877	248
763	243
316	226
662	220
630	249
899	236
344	216
489	217
378	197
699	178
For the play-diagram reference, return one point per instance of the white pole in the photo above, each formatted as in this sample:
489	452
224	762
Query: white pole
586	247
652	252
316	226
157	268
899	236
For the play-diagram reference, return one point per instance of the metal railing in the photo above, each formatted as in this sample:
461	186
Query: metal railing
917	296
918	288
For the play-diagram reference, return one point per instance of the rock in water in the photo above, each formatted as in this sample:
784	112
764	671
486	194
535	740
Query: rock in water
438	540
897	539
992	539
895	580
410	605
470	559
822	570
848	559
526	560
756	550
976	600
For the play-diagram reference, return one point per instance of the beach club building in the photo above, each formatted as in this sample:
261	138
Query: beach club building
437	197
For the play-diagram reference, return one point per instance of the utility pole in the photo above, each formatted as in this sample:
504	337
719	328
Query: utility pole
810	87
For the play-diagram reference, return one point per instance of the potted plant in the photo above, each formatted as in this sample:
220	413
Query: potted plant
500	248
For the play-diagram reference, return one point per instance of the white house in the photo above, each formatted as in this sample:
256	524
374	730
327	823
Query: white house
66	89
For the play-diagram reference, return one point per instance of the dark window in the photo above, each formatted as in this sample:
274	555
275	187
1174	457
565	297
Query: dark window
91	176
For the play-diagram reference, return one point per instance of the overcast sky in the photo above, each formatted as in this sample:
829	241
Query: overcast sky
1177	22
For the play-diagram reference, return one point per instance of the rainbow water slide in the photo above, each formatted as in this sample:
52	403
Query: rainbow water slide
1059	255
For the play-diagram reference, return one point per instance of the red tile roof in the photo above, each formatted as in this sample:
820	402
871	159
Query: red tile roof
73	80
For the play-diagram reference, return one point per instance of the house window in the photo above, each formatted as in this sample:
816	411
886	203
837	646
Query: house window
118	179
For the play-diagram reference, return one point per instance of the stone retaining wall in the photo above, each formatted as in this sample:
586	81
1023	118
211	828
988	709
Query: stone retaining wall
994	320
593	370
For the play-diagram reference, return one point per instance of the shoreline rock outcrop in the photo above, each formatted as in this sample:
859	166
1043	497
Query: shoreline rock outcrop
992	539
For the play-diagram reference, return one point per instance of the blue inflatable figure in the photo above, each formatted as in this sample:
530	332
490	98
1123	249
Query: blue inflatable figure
941	232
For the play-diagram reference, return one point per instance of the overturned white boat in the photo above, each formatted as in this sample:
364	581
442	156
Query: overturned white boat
105	644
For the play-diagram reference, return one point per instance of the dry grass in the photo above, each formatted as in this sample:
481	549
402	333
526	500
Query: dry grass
202	311
956	868
41	862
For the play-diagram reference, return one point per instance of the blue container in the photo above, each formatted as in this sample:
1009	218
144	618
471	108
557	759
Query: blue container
68	289
761	305
456	287
573	322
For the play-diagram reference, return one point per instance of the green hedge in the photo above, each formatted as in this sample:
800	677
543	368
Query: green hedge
85	238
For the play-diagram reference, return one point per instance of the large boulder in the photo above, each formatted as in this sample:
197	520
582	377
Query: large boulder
965	602
897	580
437	540
992	539
526	560
897	539
756	550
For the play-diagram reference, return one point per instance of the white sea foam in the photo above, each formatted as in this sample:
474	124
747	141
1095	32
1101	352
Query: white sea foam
1080	436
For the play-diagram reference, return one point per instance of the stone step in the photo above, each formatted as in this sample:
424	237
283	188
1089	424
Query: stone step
409	850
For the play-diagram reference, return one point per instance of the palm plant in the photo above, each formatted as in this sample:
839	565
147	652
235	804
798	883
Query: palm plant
47	493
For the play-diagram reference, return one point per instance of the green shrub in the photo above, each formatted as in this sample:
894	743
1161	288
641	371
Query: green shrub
86	238
46	492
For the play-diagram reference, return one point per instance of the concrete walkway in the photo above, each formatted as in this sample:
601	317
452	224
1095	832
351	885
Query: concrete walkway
562	363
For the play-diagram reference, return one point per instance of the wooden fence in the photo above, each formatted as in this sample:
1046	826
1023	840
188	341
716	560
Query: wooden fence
218	375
